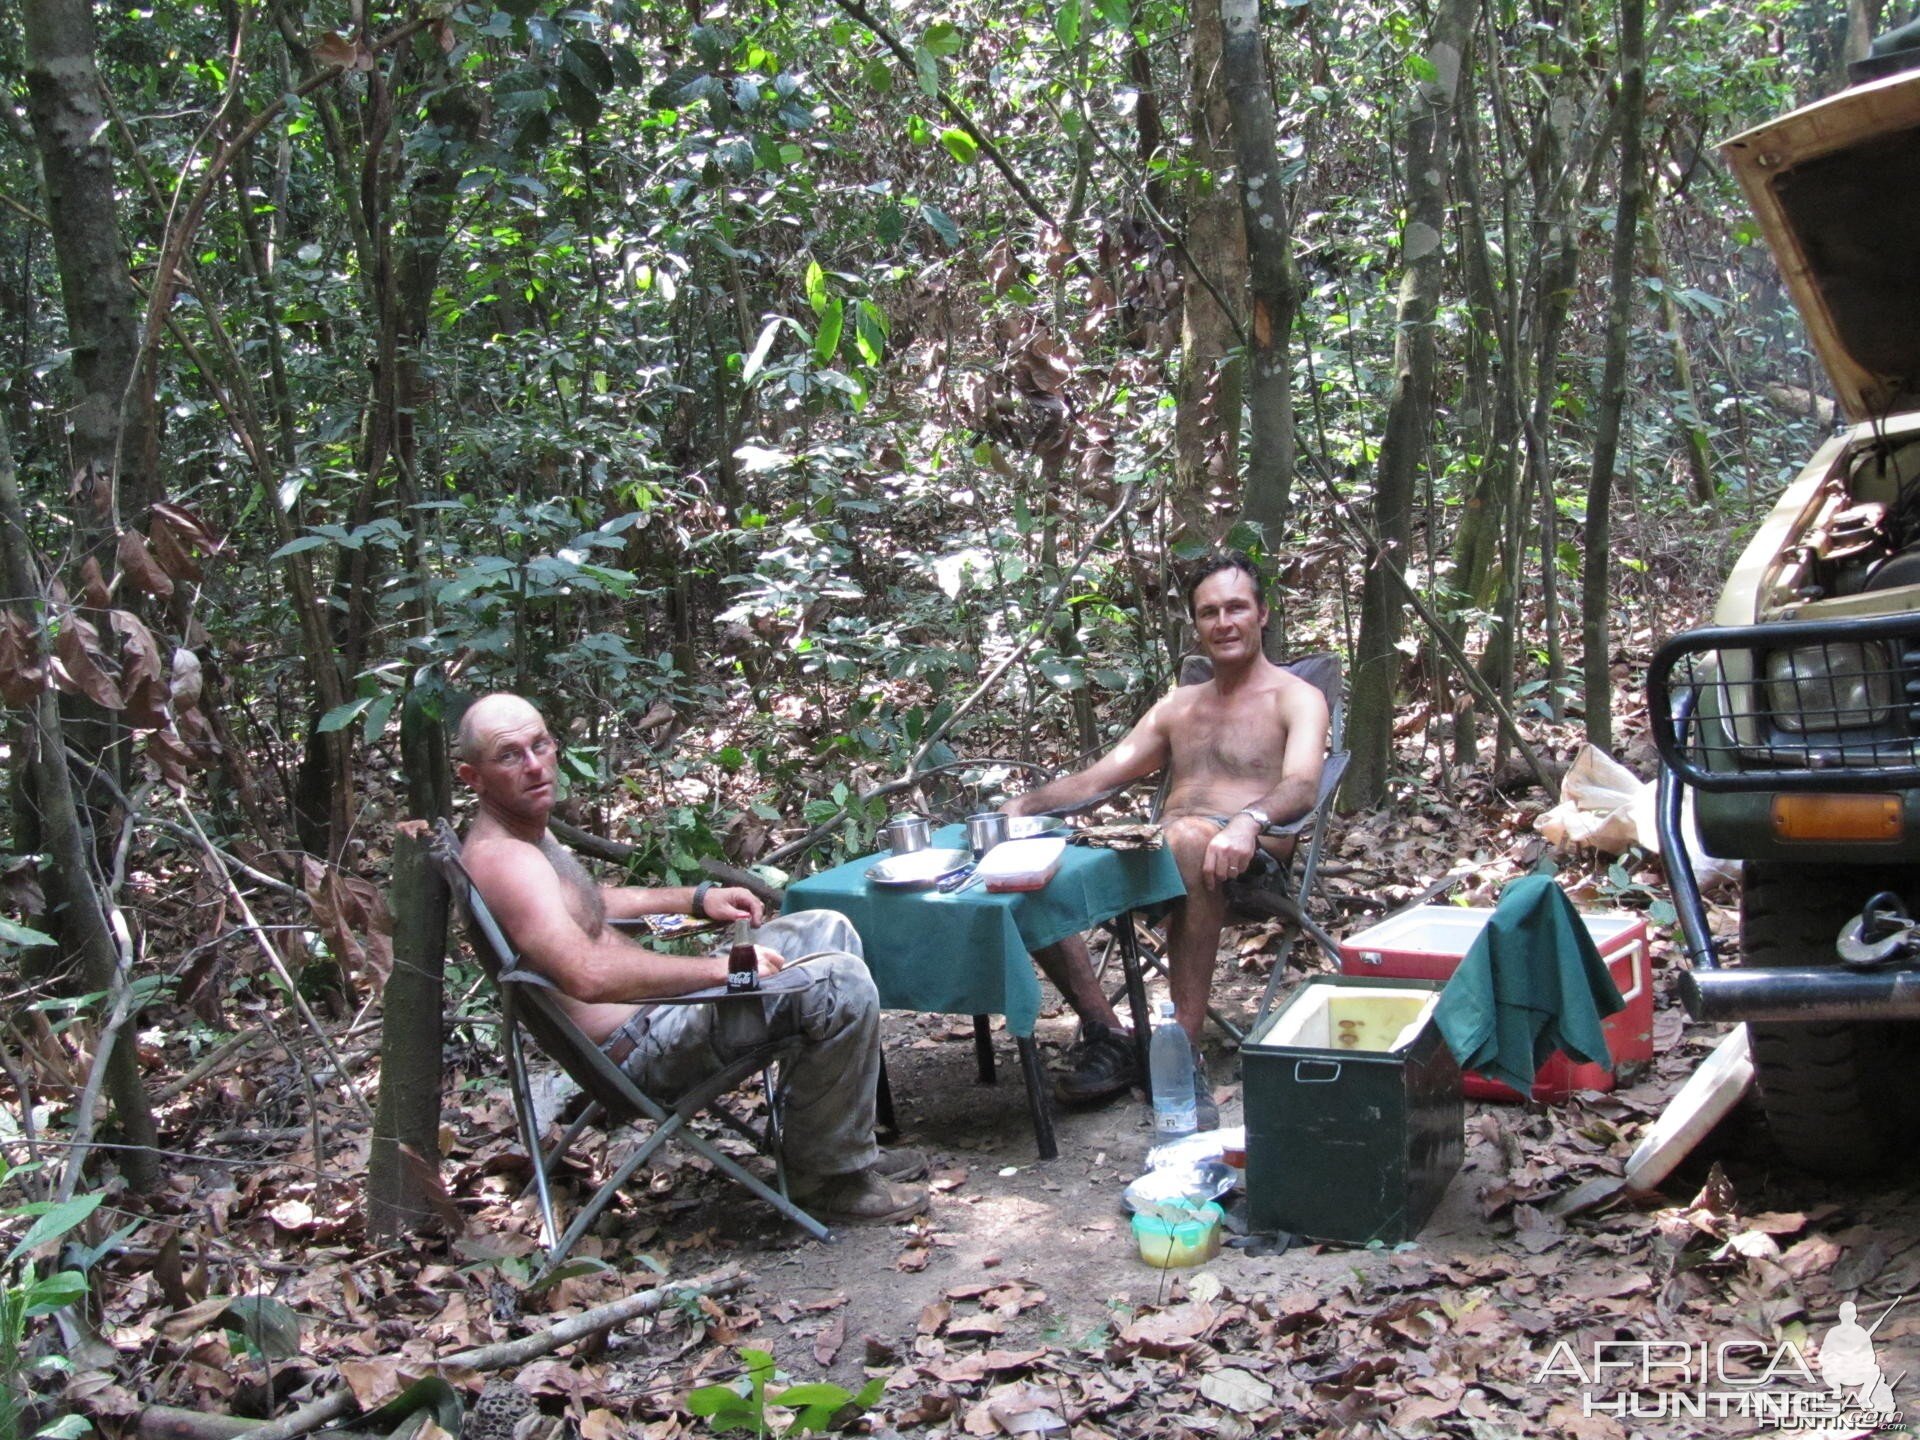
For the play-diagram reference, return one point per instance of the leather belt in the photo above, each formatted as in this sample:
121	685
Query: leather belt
624	1041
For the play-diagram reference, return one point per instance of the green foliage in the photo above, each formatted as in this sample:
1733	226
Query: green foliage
814	1408
26	1295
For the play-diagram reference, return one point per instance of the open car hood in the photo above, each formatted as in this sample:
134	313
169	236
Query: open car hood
1836	188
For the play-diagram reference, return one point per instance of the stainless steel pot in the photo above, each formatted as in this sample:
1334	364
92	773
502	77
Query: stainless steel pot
986	830
905	834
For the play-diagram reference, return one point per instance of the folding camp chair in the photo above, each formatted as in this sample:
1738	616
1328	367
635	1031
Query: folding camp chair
528	998
1281	894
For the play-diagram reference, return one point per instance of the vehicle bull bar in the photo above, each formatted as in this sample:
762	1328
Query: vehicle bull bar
1801	993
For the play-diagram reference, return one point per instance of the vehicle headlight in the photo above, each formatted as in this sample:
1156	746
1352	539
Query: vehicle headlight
1829	687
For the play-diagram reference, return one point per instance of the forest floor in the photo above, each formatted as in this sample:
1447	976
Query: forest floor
1019	1304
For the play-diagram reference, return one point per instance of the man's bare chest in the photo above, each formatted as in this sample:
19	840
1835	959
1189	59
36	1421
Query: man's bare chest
1243	740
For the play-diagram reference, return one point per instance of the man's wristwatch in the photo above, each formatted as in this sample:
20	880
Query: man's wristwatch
1260	817
699	911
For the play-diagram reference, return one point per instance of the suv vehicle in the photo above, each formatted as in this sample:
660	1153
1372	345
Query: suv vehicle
1795	718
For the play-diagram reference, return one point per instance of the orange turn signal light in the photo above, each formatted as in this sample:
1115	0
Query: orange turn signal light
1836	817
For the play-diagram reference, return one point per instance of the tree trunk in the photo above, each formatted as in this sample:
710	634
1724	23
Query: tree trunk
1693	421
96	286
1370	728
1206	423
1276	288
1595	600
77	912
405	1154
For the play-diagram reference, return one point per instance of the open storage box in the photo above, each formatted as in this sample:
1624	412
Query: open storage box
1428	942
1354	1118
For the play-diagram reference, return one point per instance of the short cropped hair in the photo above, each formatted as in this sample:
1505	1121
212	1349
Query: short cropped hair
1226	560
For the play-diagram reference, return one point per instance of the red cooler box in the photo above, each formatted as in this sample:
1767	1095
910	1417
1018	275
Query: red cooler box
1428	942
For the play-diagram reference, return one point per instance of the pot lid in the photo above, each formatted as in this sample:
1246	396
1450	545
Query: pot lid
1836	188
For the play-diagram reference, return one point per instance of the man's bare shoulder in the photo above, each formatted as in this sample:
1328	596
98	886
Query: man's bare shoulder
497	860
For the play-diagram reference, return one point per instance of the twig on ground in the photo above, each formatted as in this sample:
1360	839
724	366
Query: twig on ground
340	1403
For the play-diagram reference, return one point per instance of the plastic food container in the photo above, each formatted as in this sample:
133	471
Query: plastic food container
1168	1244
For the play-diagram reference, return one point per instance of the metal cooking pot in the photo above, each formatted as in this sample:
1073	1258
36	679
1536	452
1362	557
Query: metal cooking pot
905	834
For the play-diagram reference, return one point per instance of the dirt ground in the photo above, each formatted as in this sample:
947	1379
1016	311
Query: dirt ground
1023	1287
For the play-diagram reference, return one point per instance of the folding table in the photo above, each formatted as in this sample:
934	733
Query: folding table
967	953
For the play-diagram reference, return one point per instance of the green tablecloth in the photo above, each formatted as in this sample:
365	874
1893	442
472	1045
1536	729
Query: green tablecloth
966	954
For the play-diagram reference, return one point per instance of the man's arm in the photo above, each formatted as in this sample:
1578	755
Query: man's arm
728	902
524	892
1140	752
1304	712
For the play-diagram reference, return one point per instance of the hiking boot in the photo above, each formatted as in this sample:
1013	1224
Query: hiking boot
1206	1114
902	1162
1100	1065
858	1197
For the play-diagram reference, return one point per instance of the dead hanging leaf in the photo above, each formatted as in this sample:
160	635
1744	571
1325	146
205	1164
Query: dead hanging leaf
93	585
171	551
23	669
139	566
333	49
140	652
188	679
77	667
91	490
354	918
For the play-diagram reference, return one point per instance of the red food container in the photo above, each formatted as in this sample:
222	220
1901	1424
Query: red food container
1428	942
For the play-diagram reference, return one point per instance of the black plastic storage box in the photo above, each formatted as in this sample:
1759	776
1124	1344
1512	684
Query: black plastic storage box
1354	1118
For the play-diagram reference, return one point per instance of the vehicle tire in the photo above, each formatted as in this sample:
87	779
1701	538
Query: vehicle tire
1838	1095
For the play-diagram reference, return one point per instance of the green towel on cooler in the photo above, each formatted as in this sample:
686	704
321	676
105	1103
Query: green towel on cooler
1533	983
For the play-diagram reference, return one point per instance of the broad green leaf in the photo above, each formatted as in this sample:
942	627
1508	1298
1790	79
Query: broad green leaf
341	716
942	225
926	69
54	1221
1066	23
960	145
270	1326
826	340
12	932
870	331
942	39
43	1297
1116	13
297	544
817	295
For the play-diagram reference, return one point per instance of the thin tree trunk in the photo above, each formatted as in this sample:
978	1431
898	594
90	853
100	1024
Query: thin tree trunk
406	1127
1376	655
1693	423
1276	289
77	910
1595	599
1206	426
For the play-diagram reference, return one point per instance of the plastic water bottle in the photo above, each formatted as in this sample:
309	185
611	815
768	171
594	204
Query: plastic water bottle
1170	1061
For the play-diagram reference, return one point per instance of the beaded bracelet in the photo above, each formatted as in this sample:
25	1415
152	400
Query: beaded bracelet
699	911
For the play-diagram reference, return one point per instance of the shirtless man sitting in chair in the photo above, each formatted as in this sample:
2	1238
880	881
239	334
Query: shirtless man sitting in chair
1243	751
558	919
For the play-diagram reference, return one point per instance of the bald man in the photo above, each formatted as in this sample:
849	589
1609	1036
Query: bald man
558	919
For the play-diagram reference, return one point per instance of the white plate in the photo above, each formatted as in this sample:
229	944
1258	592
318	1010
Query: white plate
922	868
1034	827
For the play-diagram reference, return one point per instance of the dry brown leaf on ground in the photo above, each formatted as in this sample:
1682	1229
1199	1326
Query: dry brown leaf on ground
826	1345
1238	1390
